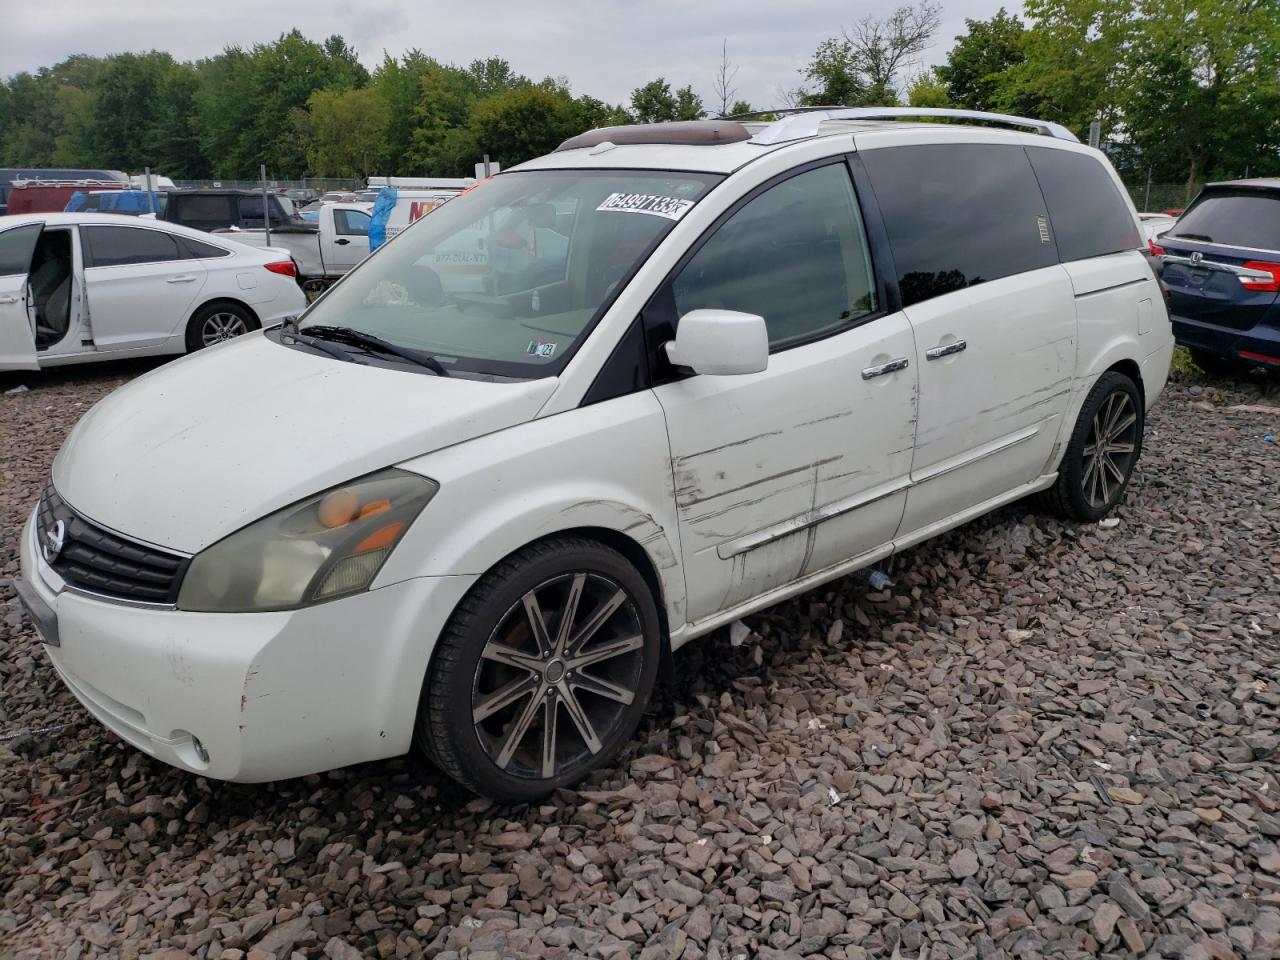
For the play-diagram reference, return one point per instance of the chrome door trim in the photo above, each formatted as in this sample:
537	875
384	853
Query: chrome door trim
946	350
880	369
732	548
989	450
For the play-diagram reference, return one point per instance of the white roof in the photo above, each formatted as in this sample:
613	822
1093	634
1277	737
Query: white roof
225	240
727	157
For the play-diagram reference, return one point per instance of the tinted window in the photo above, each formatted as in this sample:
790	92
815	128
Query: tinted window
199	250
959	214
351	223
251	212
1241	218
122	246
1088	215
796	254
16	247
201	211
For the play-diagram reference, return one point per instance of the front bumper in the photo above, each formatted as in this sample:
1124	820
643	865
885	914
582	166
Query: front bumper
267	695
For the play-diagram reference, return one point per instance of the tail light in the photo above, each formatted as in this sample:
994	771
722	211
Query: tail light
1155	248
285	268
1262	284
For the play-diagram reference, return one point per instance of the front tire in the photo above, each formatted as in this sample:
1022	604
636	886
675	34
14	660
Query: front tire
218	322
543	672
1102	453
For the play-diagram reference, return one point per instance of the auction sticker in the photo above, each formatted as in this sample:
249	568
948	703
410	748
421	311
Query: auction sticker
673	208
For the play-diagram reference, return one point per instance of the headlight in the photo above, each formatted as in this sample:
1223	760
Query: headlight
324	547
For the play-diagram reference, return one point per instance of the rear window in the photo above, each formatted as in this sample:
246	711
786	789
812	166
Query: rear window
959	215
1088	215
1239	218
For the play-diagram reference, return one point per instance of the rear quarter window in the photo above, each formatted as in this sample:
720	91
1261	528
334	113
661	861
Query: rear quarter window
959	215
1088	215
214	210
1239	218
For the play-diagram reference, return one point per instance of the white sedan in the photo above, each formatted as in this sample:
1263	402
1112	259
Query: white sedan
77	287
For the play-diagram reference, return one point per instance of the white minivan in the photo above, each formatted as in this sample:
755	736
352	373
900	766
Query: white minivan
714	365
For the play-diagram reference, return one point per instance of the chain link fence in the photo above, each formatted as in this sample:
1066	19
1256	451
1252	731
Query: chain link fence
318	184
1155	197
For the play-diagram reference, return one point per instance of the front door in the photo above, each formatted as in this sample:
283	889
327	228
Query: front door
17	334
349	243
784	473
139	284
993	313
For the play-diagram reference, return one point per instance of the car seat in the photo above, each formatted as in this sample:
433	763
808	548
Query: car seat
51	294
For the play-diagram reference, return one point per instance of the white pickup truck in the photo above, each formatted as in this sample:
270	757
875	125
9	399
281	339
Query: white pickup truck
340	241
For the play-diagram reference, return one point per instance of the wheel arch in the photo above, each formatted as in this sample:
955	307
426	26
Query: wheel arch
185	329
1129	368
634	553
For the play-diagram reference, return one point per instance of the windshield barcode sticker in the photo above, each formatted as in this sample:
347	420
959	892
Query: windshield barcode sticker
670	207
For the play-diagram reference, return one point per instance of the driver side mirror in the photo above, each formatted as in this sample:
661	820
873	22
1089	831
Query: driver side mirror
720	343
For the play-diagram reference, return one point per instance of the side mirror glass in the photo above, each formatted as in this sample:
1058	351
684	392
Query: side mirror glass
720	343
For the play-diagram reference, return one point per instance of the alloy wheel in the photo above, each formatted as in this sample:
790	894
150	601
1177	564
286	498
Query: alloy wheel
222	326
557	676
1109	449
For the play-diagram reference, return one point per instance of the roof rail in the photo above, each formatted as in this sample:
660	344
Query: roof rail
80	182
802	123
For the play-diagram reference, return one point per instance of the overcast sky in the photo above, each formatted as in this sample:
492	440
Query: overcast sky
605	47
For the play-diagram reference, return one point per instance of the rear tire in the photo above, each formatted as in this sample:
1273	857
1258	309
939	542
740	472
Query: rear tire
218	322
518	703
1217	366
1103	450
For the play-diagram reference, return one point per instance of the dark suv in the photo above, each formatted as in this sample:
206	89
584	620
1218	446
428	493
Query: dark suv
1222	270
211	210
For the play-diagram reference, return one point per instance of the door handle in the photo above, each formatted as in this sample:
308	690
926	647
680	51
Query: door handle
185	278
880	369
342	242
9	299
946	350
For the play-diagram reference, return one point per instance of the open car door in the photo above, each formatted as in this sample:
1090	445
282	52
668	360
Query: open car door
17	335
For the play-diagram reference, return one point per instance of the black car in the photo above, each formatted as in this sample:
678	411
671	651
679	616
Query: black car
1222	270
211	210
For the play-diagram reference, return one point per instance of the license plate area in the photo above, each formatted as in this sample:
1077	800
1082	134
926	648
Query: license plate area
40	613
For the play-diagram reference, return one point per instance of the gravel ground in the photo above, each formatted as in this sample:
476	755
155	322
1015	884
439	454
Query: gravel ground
1043	740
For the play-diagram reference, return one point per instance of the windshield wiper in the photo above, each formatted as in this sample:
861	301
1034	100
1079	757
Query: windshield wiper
1193	236
289	330
374	344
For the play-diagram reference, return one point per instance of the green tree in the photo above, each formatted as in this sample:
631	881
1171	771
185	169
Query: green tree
246	100
521	123
975	64
1075	68
122	132
174	148
399	84
494	75
861	66
928	90
653	102
445	97
345	132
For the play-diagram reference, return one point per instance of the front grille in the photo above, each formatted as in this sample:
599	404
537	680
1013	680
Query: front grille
103	562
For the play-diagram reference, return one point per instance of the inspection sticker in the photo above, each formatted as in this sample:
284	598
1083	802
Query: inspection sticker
542	348
672	208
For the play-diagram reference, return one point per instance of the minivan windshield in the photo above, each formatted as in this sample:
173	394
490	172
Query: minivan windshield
1238	218
506	278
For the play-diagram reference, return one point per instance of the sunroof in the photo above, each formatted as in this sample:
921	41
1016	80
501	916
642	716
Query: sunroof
682	132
